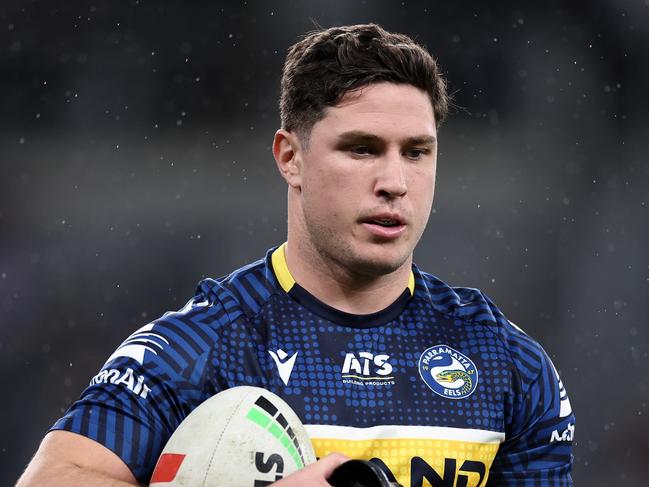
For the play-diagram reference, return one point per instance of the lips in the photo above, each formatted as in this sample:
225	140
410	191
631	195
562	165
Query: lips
387	219
385	225
385	222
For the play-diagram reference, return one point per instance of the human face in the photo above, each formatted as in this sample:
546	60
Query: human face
367	179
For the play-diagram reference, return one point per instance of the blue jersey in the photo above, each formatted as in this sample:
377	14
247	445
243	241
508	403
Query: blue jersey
438	388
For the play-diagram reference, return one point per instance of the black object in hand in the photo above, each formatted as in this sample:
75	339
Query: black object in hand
360	473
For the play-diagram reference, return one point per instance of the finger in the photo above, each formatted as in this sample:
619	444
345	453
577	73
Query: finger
326	465
315	474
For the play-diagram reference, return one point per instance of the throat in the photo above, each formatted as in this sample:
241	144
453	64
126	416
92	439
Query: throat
354	293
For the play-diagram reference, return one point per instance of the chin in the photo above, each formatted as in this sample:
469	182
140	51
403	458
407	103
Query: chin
378	265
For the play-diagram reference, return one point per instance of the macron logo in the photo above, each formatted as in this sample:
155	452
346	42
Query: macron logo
284	365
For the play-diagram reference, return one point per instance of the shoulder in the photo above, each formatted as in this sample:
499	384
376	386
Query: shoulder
472	306
178	337
243	291
463	303
536	388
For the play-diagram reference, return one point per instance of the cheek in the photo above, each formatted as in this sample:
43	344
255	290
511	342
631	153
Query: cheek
421	194
323	198
332	206
336	186
422	186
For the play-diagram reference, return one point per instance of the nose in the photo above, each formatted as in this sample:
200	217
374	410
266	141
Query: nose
391	177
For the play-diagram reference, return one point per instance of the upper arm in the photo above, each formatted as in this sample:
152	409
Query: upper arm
61	450
145	389
538	446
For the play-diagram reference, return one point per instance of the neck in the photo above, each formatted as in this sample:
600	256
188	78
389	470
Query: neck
340	287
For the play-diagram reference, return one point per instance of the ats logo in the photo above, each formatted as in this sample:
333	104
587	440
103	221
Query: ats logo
367	369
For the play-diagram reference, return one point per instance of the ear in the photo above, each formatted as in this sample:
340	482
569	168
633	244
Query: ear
287	151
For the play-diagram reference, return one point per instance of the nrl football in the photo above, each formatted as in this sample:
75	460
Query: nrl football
244	436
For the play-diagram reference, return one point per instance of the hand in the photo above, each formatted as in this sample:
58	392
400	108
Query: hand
314	475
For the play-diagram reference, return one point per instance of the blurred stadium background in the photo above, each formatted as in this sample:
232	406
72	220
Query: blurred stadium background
135	160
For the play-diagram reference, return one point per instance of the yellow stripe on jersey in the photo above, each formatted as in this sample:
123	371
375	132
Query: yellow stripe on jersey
414	459
411	283
281	268
286	280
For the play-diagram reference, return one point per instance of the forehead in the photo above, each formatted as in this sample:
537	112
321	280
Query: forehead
387	110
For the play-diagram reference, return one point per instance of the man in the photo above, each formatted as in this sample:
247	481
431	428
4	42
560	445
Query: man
380	360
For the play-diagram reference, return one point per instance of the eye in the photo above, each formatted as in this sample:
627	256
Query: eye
415	154
360	150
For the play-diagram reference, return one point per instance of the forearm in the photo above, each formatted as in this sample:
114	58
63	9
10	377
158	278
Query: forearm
68	475
67	459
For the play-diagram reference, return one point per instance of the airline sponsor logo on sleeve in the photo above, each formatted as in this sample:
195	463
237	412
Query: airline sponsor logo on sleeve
127	379
565	435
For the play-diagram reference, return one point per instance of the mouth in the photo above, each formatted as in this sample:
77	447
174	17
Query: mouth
385	219
385	226
385	222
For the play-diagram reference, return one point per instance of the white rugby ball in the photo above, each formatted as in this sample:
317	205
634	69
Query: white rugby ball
241	437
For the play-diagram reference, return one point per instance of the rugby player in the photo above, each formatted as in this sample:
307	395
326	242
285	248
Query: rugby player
380	359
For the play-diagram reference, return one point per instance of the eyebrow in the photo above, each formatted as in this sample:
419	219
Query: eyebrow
361	136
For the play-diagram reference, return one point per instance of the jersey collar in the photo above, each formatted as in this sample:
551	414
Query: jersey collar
297	292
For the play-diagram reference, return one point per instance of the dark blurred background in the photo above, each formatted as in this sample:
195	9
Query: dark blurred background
135	160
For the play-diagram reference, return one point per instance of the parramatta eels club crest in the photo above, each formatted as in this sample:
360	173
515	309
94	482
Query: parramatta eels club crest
447	372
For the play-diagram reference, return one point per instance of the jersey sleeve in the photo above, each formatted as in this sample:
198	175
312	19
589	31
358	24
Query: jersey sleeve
149	385
537	450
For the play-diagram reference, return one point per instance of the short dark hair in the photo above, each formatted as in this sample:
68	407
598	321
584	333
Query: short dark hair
326	64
